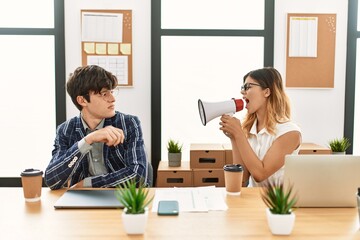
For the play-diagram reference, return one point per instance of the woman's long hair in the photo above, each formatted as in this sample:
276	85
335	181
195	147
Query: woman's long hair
278	105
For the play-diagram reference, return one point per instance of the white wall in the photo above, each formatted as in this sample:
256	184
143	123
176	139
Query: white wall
132	100
319	112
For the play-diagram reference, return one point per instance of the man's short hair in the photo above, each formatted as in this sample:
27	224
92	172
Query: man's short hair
86	79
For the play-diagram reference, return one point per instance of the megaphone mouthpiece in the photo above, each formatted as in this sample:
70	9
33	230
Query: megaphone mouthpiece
240	104
211	110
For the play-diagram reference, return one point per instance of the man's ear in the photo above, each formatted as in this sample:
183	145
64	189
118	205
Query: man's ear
81	101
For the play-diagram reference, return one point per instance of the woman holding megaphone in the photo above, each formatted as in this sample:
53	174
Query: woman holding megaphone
266	135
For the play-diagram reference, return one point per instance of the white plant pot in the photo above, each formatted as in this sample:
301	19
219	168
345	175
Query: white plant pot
339	153
135	223
280	224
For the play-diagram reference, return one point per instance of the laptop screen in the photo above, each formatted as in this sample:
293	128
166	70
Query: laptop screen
323	180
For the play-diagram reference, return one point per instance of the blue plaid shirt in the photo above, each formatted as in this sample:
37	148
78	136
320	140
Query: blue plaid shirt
123	162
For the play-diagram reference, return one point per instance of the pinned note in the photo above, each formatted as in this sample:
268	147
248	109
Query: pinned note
113	48
100	48
125	48
89	48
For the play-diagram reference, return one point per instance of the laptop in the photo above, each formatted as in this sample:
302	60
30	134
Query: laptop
323	180
94	198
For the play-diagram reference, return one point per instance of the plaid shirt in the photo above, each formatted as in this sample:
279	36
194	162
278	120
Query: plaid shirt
125	161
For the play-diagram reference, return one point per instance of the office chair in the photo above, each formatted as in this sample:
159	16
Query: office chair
150	174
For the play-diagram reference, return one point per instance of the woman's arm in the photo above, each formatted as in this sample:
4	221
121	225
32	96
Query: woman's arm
273	160
238	160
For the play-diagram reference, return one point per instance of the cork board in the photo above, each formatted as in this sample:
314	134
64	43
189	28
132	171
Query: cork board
107	42
318	71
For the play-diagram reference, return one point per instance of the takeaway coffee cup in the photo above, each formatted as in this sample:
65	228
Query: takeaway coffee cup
233	178
358	201
31	180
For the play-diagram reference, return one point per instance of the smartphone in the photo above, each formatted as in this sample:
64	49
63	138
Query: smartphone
168	208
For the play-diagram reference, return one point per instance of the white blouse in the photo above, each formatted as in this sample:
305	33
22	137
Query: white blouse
261	141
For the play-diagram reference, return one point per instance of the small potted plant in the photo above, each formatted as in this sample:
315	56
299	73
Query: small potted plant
174	153
280	203
135	200
339	145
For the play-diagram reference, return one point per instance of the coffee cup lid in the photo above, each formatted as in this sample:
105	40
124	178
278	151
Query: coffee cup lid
233	168
30	172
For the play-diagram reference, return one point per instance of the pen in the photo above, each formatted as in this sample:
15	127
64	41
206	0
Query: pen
192	198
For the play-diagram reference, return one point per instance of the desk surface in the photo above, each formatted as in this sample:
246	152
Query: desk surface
245	219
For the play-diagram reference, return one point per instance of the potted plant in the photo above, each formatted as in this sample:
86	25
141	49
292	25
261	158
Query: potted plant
280	203
174	153
339	145
135	200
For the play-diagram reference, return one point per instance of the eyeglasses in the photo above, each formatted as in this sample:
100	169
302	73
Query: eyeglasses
106	95
246	86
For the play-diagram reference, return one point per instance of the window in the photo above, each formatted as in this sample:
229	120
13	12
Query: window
27	14
192	68
356	129
202	53
352	100
212	14
27	101
33	96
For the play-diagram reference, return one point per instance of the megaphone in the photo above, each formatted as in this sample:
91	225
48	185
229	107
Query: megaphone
210	110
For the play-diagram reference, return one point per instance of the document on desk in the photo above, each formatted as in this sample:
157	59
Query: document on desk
197	199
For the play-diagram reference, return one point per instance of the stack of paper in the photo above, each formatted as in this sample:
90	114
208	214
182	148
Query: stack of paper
198	199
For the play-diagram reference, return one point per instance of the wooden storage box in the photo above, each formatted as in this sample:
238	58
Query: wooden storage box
174	176
207	156
209	177
312	148
228	153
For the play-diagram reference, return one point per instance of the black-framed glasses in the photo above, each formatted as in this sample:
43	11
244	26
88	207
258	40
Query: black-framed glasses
246	86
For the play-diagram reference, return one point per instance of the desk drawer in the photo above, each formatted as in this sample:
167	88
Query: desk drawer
207	156
174	179
312	148
209	177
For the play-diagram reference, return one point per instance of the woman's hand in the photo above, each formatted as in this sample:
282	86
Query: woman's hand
230	125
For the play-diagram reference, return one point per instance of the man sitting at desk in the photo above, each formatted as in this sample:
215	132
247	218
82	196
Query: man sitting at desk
101	147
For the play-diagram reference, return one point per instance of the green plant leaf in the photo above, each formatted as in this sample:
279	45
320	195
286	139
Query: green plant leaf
339	144
134	198
277	198
174	147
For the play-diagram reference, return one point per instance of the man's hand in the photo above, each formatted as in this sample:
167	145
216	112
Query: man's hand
109	135
78	185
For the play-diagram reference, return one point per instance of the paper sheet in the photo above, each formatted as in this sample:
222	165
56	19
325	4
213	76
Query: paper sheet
303	37
117	65
102	27
198	199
